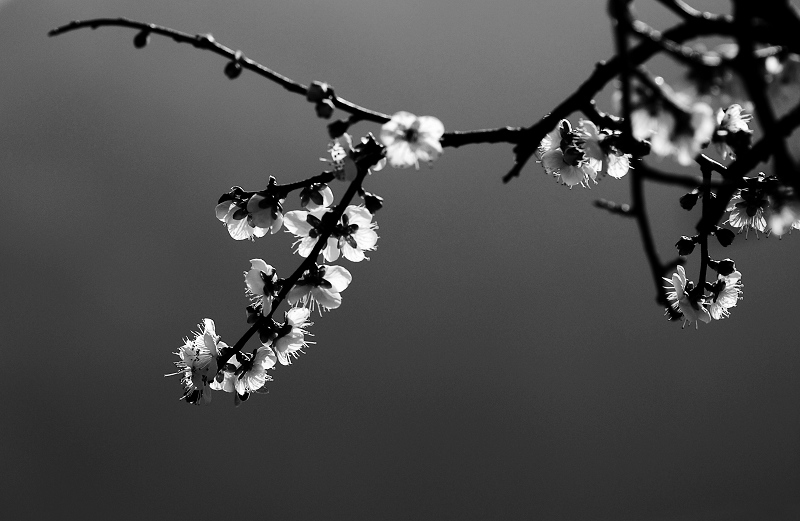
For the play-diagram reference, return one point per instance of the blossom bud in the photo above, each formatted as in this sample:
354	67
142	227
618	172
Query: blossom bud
372	202
233	69
724	236
324	109
689	200
726	267
318	91
337	128
141	39
685	245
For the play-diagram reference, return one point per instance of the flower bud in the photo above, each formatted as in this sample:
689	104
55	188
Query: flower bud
724	236
318	91
726	267
233	69
337	128
324	109
685	245
689	200
141	39
372	202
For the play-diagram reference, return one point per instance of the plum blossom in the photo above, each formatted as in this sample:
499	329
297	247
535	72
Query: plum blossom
410	139
320	287
248	215
344	157
351	236
245	373
679	128
261	281
678	294
727	290
602	158
785	218
290	339
747	209
563	157
732	132
198	362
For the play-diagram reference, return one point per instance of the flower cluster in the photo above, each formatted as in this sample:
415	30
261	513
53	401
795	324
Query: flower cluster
693	304
762	207
345	230
576	156
251	214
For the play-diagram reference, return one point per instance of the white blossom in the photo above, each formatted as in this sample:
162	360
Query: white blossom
410	139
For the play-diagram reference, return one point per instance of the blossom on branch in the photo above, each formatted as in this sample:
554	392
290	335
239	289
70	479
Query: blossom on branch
344	159
732	133
320	287
747	209
562	156
251	214
316	196
291	336
198	362
262	284
727	290
679	295
603	157
675	125
410	139
351	236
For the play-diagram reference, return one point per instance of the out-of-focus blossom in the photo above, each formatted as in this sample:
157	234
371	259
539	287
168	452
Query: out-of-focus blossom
732	133
261	281
678	135
561	156
785	218
727	290
678	294
320	287
410	139
602	158
198	362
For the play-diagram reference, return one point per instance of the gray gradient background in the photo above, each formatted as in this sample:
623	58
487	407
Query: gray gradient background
500	357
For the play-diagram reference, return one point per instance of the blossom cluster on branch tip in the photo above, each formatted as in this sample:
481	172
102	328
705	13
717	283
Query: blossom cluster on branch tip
577	156
410	139
208	364
692	302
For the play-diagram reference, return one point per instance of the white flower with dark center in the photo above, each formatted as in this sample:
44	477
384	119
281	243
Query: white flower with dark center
562	156
747	211
261	284
678	295
726	292
198	362
307	227
291	336
601	157
251	375
410	139
320	287
352	235
732	132
248	215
